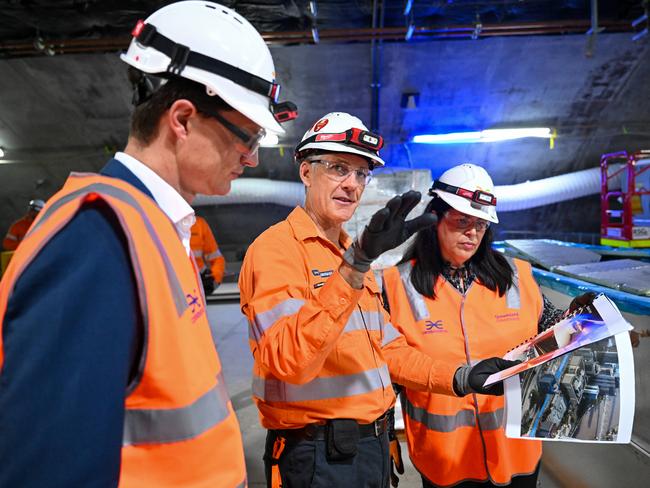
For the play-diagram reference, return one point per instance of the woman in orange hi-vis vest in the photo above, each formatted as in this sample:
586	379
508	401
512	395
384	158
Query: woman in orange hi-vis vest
457	300
108	368
325	350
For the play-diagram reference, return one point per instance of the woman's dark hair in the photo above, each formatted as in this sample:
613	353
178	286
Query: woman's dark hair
145	118
490	267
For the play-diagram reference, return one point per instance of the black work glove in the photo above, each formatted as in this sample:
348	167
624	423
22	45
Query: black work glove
395	450
386	230
470	379
581	301
208	281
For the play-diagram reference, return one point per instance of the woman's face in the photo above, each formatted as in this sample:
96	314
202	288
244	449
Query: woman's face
459	236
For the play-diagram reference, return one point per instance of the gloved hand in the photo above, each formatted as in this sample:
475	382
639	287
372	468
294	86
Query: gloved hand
208	281
396	463
581	301
470	379
386	230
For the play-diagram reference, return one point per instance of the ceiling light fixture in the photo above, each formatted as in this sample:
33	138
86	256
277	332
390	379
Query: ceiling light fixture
2	152
489	135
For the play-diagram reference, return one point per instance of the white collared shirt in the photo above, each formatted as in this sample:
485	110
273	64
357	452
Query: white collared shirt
168	199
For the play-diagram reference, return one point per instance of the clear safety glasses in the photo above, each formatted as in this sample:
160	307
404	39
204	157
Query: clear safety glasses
249	143
340	171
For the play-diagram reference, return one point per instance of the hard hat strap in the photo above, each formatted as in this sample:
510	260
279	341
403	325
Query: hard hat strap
478	196
181	56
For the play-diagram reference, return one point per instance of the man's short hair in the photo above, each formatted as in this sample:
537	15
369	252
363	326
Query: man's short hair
145	118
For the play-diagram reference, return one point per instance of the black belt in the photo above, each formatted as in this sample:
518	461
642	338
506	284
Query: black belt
316	432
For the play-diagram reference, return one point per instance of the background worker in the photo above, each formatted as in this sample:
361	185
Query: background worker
108	370
209	258
18	229
323	344
458	301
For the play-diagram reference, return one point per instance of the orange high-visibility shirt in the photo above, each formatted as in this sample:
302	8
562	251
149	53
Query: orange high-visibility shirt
453	439
322	349
16	233
205	249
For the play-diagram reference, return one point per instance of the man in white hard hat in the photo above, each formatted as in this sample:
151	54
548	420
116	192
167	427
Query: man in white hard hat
108	370
322	343
19	228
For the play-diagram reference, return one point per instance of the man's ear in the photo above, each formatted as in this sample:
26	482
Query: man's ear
178	116
306	171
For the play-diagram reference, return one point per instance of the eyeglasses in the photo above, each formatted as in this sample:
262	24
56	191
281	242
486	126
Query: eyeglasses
249	144
339	171
462	224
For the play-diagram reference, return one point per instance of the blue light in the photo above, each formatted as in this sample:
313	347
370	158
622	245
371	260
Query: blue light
489	135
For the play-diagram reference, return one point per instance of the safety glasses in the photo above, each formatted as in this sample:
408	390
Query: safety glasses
463	224
340	171
249	143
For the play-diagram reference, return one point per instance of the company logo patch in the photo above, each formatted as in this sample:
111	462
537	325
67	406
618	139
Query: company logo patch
320	124
436	327
195	305
507	317
322	274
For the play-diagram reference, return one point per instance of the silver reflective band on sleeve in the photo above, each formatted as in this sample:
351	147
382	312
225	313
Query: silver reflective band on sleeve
373	321
102	188
197	254
213	255
418	306
274	390
158	426
390	334
491	420
513	299
264	320
11	237
440	423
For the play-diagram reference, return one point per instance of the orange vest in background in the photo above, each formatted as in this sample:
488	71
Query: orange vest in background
179	427
452	439
16	233
205	249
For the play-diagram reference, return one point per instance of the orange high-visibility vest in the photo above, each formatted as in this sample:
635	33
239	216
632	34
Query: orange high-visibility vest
205	249
320	346
179	426
16	233
452	439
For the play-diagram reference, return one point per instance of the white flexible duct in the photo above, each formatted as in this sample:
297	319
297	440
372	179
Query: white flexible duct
520	196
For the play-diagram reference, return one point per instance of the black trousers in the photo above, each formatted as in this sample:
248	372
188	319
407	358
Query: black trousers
303	464
526	481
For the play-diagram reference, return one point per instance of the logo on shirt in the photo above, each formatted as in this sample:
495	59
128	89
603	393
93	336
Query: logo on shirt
507	317
322	274
434	327
195	305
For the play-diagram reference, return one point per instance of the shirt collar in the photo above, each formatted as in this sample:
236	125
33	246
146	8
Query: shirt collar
305	228
169	200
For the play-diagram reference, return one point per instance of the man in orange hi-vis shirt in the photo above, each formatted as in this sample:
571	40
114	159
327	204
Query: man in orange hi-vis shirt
324	347
18	229
209	258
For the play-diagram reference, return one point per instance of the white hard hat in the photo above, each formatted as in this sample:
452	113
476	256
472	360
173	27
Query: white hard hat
212	45
36	205
469	189
341	132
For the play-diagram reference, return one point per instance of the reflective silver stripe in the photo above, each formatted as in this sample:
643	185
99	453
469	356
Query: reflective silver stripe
373	321
264	320
11	237
274	390
102	188
491	420
513	298
158	426
197	254
440	423
379	278
213	255
390	334
243	484
418	306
